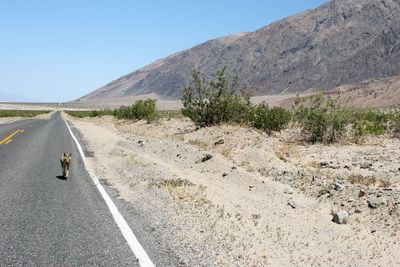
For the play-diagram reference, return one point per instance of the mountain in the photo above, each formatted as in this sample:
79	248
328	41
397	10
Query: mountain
340	42
11	97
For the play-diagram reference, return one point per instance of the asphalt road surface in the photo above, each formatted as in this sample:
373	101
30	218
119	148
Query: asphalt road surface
46	220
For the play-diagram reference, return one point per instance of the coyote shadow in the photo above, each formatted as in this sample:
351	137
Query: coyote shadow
61	177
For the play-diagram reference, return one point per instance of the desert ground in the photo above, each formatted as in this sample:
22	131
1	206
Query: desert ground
233	196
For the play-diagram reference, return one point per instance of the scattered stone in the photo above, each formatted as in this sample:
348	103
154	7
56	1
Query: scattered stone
338	186
295	204
224	174
289	178
358	211
234	168
365	165
376	202
288	190
219	142
362	193
341	217
205	158
373	231
323	192
324	164
141	143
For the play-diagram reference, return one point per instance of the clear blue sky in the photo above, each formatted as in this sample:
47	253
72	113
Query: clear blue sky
60	50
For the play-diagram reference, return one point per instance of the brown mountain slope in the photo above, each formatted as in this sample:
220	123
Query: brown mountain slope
377	93
341	42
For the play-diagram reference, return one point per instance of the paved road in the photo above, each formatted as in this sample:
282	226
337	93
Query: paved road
45	220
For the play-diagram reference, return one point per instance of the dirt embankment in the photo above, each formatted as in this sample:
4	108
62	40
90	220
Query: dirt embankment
231	196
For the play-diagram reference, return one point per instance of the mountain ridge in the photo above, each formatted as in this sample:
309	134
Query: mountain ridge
340	42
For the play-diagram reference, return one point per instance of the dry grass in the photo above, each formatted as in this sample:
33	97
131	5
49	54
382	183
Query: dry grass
199	144
226	152
284	152
361	180
384	183
173	183
185	190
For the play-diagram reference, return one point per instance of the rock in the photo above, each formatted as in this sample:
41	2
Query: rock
219	142
295	204
376	202
234	168
324	164
141	143
224	174
338	186
288	190
341	217
205	158
365	165
362	193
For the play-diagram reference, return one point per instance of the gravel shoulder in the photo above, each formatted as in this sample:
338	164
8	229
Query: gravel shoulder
258	200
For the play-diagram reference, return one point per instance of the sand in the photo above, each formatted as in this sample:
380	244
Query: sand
232	210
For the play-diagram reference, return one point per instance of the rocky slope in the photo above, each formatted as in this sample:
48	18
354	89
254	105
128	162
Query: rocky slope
341	42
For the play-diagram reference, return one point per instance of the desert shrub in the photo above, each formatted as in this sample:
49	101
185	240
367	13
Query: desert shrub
270	119
170	114
369	122
217	101
322	120
141	110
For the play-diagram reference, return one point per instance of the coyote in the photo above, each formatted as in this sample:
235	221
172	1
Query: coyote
65	162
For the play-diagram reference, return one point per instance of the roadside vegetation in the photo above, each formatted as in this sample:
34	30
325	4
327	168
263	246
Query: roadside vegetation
222	100
22	113
89	113
322	120
140	110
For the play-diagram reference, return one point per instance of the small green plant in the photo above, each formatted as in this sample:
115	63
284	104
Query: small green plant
270	119
212	102
142	109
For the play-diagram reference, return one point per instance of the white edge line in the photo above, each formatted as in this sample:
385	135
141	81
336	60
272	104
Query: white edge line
126	231
8	122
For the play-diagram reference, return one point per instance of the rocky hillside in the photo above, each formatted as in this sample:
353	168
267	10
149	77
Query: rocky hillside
341	42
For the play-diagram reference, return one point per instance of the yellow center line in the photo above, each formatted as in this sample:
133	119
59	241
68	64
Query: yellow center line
9	137
9	141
